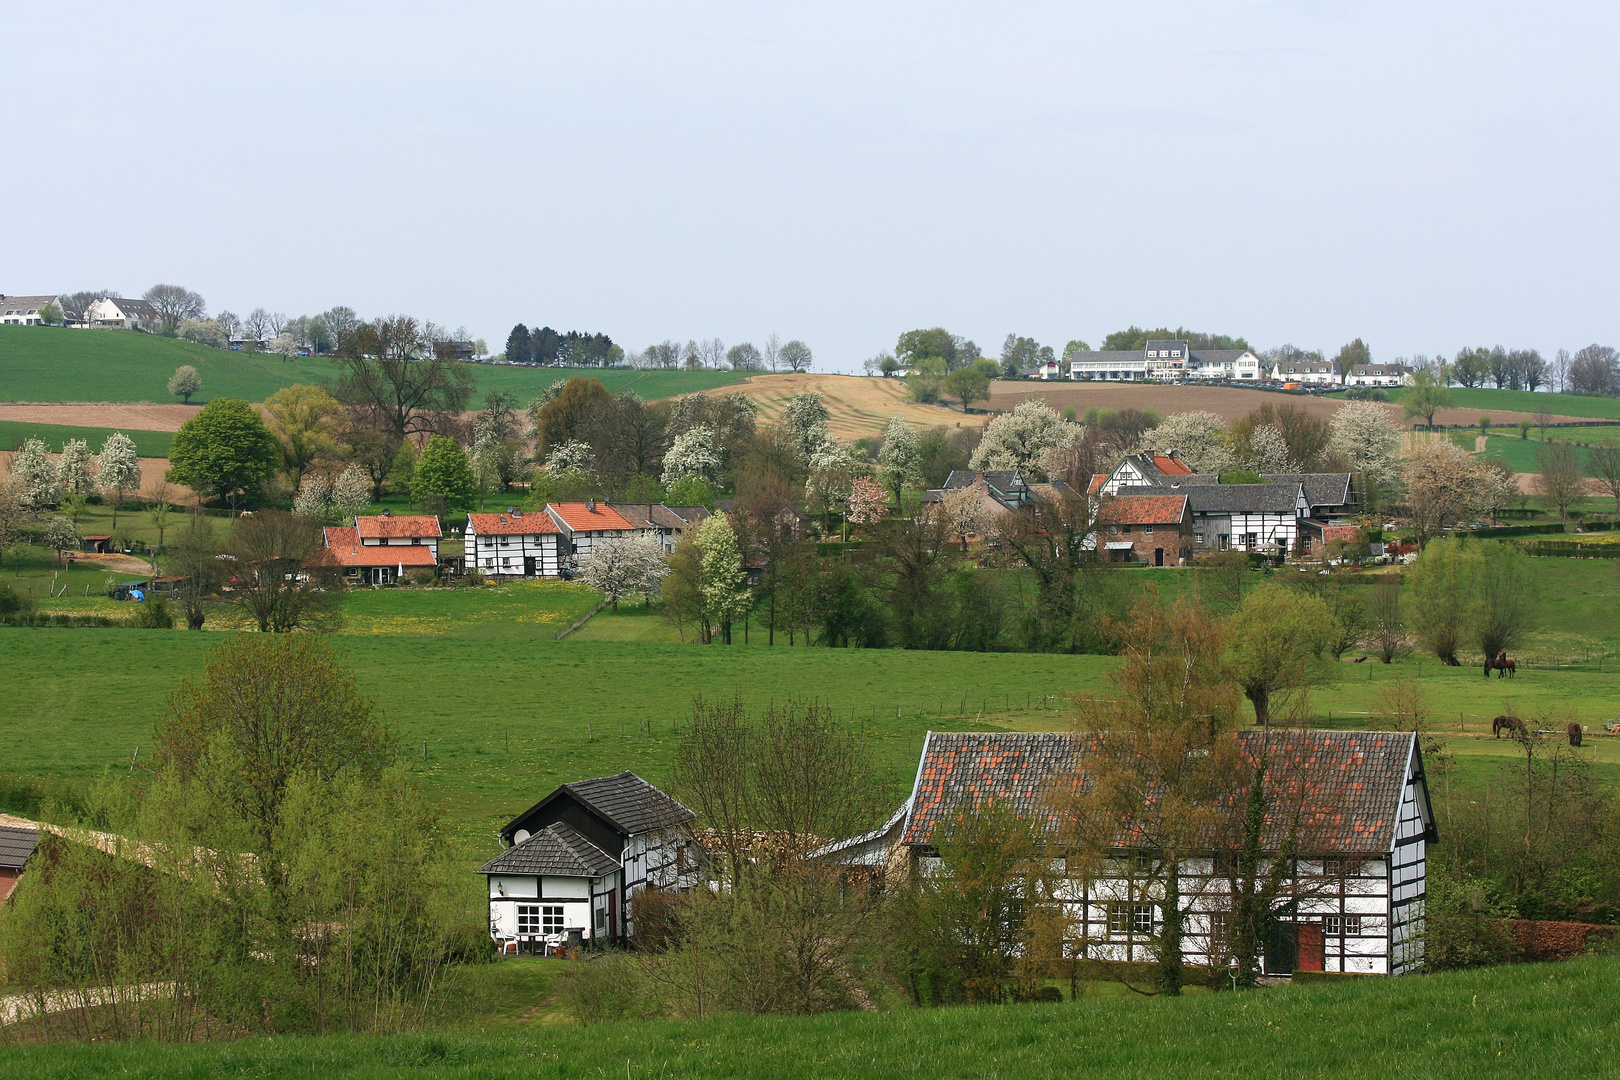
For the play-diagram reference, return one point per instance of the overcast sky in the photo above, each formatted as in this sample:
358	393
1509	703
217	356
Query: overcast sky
1425	176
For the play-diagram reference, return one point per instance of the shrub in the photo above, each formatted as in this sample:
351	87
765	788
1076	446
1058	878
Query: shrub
155	613
13	602
421	576
606	986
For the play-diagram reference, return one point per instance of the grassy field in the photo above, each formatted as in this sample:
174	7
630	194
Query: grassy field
1533	1020
495	711
45	363
13	433
1484	400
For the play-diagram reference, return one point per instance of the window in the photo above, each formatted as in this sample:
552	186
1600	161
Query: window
551	920
1220	930
528	918
1333	867
1345	925
1198	538
1149	530
1127	918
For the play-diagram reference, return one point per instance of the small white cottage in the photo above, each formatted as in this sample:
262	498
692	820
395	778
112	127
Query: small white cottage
577	859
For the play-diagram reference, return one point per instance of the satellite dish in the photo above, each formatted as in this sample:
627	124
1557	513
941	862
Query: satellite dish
521	836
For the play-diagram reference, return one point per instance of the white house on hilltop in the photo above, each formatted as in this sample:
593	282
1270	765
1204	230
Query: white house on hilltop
1308	372
23	310
120	313
1379	375
1166	361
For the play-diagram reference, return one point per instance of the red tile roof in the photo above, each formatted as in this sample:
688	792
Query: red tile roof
1144	510
343	547
1097	481
378	526
521	523
1346	787
1171	466
580	518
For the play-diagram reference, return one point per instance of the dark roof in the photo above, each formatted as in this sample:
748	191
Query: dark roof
648	515
558	850
16	845
631	803
1109	356
1347	785
1219	356
1203	498
692	515
1321	489
1000	479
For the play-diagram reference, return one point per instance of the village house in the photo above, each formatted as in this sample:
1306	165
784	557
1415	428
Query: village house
583	525
517	543
1315	536
1378	375
1351	902
577	859
375	563
120	313
403	530
23	310
669	525
1153	529
1166	361
1308	372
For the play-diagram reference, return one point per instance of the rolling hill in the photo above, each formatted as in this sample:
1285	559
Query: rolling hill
53	364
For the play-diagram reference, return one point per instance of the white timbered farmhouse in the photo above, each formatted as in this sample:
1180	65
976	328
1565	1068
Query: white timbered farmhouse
513	544
578	858
1351	902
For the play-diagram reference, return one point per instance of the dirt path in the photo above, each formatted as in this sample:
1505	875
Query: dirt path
134	417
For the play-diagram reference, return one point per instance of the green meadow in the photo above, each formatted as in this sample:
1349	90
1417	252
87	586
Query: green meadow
1533	1020
13	433
494	710
48	363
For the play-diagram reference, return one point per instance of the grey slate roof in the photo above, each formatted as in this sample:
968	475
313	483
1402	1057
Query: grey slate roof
1232	498
1110	356
16	845
1346	785
630	802
1321	489
558	850
1219	356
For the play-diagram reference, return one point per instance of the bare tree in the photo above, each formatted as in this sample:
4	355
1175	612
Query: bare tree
257	324
1559	481
175	304
1388	634
385	380
1603	465
714	353
773	351
274	581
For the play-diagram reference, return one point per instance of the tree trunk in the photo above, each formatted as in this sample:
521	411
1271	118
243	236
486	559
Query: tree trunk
1169	978
1260	698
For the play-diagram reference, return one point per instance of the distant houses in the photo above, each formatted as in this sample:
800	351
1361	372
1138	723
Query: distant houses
1166	361
23	310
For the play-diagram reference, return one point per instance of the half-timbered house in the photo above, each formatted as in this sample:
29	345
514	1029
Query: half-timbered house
577	859
583	525
1354	806
513	544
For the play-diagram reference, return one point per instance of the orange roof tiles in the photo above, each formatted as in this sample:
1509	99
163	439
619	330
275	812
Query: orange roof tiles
1145	510
379	526
581	518
1171	466
343	547
522	523
1097	481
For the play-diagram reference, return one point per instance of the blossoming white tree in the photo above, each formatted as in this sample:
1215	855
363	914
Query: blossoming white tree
868	502
1199	437
1364	434
694	453
73	468
899	457
1020	439
351	494
36	476
118	469
624	565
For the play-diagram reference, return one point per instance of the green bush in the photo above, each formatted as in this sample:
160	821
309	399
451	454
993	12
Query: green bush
606	986
154	613
13	602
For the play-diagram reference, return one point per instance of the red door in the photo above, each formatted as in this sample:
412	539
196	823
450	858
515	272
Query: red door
1310	947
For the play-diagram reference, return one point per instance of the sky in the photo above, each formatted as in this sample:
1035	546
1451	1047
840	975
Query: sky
1425	176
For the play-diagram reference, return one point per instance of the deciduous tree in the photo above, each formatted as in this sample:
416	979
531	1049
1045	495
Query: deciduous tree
1424	397
305	420
1020	439
401	378
899	458
1603	465
73	468
443	480
174	304
623	565
224	452
1277	638
275	582
725	587
184	382
796	355
37	483
1559	478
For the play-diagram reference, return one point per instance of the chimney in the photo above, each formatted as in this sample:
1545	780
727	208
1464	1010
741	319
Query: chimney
590	505
511	509
387	512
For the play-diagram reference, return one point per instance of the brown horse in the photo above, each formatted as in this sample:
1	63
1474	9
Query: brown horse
1574	734
1503	665
1510	724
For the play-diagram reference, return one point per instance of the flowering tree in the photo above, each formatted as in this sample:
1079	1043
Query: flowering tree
804	421
36	476
1444	484
725	587
1020	439
184	382
1268	451
314	498
966	515
868	502
1364	434
61	534
73	468
899	457
694	453
624	565
351	494
573	454
119	469
1199	437
285	345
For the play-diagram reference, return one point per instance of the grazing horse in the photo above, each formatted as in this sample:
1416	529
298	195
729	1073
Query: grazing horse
1503	665
1510	724
1574	734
